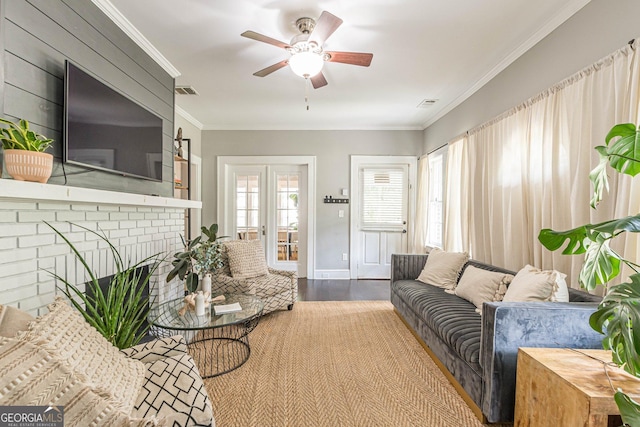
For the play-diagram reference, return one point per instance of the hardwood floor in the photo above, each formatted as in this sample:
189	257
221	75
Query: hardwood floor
343	290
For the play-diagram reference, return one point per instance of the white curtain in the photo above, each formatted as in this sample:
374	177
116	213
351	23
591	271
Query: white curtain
529	167
422	203
456	207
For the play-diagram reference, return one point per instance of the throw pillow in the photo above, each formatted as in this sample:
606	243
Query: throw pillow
67	336
478	285
443	268
13	321
533	284
246	259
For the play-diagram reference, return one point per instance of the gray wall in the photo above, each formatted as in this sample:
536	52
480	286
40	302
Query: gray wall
597	30
37	37
332	150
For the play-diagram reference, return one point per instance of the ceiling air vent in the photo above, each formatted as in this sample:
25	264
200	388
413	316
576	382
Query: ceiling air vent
427	103
185	90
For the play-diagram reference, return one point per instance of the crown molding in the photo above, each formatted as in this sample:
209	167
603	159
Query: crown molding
188	117
562	16
130	30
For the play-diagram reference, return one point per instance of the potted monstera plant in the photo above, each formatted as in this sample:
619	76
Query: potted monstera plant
24	152
618	315
202	255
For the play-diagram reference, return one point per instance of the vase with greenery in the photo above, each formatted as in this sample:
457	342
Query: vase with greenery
202	255
618	315
24	152
119	313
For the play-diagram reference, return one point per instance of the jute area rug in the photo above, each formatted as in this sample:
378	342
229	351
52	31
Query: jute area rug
350	363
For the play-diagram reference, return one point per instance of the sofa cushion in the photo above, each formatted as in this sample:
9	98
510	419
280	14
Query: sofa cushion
454	319
66	335
13	320
32	376
533	284
246	258
478	286
173	390
442	268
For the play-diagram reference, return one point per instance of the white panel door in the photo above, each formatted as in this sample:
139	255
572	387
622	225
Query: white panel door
381	212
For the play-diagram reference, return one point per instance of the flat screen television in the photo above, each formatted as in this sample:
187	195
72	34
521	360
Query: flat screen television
104	129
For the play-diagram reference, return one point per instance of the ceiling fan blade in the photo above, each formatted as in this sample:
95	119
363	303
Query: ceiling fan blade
270	69
318	80
265	39
353	58
325	26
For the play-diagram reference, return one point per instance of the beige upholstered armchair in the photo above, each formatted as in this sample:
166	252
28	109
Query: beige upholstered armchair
245	271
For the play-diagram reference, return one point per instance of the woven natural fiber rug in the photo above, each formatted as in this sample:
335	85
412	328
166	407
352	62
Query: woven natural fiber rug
351	363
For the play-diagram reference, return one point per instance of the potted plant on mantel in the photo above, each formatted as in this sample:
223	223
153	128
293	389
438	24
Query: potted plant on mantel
24	152
618	315
200	257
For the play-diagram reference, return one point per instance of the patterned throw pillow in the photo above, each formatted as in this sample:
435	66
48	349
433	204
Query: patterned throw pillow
443	268
478	286
32	376
246	259
65	334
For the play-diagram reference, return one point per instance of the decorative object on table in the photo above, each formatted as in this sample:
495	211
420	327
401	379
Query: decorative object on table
206	283
200	303
120	313
199	258
190	302
618	315
24	152
227	308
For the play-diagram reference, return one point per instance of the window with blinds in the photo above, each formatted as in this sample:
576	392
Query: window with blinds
383	193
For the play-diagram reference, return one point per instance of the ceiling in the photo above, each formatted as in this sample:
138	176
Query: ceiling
423	49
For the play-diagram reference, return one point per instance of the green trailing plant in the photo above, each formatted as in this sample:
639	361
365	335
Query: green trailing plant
120	314
21	137
202	255
618	315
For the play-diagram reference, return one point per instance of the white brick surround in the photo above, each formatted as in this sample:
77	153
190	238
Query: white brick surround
139	226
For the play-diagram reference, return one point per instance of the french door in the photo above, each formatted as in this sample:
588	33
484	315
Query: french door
269	203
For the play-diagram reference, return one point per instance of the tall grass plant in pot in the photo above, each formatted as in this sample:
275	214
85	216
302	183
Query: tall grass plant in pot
24	152
120	312
618	315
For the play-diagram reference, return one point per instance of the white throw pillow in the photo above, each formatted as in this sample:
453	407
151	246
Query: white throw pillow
443	268
533	284
478	285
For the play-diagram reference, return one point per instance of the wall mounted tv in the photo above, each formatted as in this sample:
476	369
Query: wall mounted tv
106	130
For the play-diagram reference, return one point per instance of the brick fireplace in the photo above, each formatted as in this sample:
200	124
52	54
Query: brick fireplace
138	225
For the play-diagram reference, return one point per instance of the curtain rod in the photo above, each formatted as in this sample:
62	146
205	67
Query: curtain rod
436	149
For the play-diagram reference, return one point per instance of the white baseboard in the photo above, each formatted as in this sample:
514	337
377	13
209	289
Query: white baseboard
332	275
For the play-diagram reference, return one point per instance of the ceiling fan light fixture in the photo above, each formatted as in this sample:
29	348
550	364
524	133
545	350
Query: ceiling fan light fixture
306	64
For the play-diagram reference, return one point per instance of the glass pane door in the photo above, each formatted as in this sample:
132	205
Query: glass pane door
287	193
248	206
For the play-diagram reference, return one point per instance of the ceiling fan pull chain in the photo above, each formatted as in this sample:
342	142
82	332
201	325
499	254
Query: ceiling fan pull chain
306	91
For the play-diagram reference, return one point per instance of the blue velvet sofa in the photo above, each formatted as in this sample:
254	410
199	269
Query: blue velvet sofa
478	353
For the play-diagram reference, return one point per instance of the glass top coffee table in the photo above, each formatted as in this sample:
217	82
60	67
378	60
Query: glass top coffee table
218	343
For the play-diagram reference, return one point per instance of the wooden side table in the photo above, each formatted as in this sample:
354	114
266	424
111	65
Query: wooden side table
557	386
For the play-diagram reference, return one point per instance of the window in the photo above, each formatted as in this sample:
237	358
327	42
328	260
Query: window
435	210
247	206
382	198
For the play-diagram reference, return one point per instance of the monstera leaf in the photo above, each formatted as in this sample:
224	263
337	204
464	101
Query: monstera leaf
623	155
618	318
601	263
629	408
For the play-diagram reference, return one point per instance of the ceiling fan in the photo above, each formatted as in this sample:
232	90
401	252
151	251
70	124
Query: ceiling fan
307	54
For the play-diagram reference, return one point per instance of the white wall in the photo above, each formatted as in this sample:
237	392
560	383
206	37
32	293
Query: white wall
332	150
597	30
